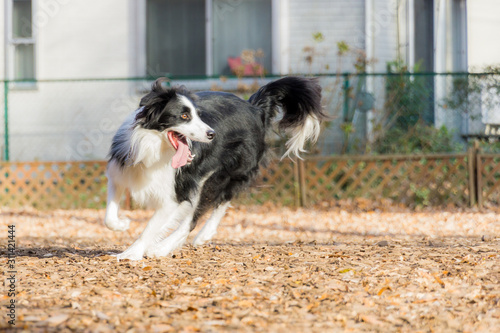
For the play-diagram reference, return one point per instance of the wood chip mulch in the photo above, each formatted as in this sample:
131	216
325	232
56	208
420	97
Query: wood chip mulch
269	269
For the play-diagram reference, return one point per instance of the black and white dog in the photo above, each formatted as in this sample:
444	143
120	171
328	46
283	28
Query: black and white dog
184	154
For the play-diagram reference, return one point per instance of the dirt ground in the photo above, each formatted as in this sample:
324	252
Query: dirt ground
326	269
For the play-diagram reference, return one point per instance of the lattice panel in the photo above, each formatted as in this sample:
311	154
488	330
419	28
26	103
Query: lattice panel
489	178
50	185
277	183
410	180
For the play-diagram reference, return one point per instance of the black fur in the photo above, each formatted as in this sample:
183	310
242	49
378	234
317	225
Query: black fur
153	115
161	110
239	148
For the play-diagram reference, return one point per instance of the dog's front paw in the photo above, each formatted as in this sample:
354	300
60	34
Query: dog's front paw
129	255
198	241
135	252
155	252
203	237
159	251
118	224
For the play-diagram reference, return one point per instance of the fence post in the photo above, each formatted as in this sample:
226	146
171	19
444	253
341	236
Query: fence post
302	183
471	157
296	185
6	118
478	165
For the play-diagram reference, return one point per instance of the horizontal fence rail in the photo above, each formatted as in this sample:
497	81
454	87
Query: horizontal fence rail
432	179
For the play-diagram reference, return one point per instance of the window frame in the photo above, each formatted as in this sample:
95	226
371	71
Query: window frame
11	43
279	37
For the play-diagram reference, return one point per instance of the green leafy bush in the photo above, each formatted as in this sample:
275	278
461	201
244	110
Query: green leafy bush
407	125
420	138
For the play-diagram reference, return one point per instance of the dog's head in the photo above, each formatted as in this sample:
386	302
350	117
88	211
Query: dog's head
173	111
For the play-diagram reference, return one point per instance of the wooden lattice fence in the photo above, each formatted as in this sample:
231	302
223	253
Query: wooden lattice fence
278	182
416	179
457	179
50	185
488	179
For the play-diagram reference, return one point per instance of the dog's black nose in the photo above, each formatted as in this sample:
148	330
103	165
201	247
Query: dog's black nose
210	134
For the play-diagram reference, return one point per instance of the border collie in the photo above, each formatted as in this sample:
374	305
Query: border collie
183	154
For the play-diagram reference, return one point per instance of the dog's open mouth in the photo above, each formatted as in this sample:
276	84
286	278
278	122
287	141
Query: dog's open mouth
183	155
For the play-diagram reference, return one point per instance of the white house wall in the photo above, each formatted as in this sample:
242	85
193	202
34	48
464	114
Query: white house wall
382	31
448	58
381	39
341	20
99	39
67	120
337	21
82	39
75	39
2	75
2	39
483	25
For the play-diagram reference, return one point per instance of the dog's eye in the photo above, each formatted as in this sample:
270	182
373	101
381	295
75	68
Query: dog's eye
185	116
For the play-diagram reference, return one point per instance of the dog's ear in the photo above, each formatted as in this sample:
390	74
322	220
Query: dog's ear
154	102
183	90
156	89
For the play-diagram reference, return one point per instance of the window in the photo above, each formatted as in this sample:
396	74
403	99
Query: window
424	34
21	42
424	53
245	25
176	37
178	43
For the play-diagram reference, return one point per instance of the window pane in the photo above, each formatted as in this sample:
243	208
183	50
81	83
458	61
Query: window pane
424	38
24	61
176	37
424	53
238	26
21	19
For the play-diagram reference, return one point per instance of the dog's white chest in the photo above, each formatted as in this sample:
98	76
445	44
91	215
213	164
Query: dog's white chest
156	187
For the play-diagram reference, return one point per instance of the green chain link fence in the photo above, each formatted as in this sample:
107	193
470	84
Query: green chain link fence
381	113
394	113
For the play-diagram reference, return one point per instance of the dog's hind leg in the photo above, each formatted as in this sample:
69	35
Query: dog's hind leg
210	228
115	192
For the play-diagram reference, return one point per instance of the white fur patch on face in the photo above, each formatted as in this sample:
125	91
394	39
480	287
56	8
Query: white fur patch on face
184	100
195	129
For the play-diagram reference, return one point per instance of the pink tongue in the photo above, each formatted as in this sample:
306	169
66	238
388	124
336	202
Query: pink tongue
181	156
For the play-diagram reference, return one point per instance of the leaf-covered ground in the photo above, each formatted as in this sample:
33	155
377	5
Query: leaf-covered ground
346	268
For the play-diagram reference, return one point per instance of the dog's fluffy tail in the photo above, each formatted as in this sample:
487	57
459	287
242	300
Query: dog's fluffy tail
300	100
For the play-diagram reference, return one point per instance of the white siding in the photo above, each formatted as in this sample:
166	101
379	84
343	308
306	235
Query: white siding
383	33
2	75
341	20
2	40
74	120
483	25
381	46
80	39
67	120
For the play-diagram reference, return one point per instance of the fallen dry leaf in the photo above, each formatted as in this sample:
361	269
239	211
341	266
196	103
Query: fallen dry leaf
57	319
268	269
